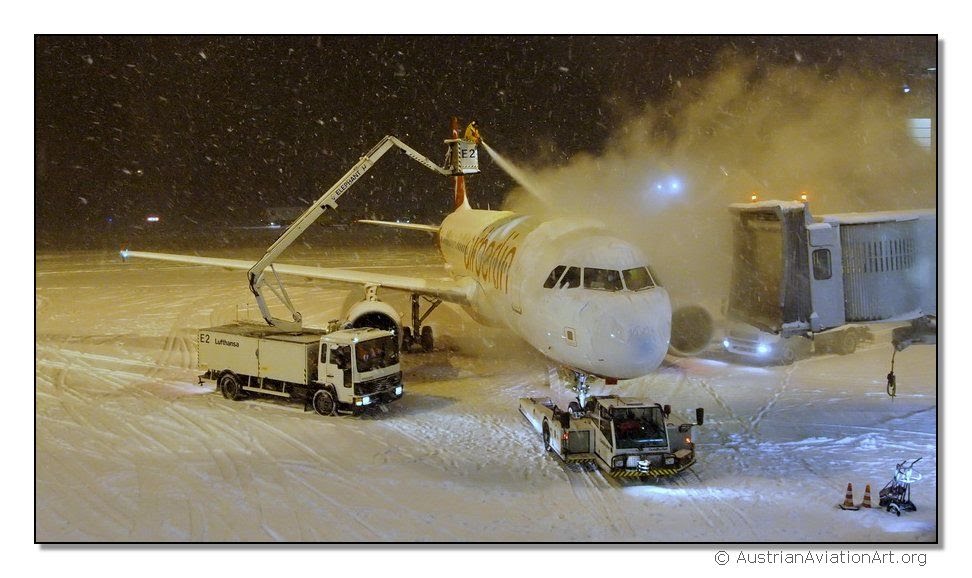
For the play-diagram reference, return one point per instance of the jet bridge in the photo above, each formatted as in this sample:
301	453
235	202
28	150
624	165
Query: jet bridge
796	274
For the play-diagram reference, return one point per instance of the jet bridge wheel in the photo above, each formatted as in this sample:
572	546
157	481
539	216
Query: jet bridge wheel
847	343
230	387
324	402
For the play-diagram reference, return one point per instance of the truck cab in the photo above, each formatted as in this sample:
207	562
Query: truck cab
362	365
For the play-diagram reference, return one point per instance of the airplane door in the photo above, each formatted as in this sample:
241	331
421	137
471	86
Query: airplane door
516	289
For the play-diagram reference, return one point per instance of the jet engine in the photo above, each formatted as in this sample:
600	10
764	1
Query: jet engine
692	330
370	312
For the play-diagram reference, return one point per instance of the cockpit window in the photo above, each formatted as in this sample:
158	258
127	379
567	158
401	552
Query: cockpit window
638	278
554	276
572	278
602	279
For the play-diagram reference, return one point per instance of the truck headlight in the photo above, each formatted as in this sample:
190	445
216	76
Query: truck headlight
398	390
365	400
762	349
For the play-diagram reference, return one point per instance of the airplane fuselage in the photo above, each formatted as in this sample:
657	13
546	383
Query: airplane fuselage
570	289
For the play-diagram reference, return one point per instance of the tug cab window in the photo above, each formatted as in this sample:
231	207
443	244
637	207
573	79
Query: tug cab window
602	279
638	278
604	423
554	277
639	427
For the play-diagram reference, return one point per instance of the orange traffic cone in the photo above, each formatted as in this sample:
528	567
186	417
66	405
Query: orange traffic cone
848	499
867	497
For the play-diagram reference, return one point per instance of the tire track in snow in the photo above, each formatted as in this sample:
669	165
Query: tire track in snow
777	394
328	467
592	491
108	521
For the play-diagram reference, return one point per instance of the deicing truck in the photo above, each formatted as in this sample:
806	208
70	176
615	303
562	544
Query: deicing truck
330	370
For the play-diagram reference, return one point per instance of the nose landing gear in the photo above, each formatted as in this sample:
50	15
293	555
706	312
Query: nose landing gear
575	381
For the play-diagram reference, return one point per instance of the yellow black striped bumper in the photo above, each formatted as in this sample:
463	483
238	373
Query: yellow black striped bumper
652	473
574	460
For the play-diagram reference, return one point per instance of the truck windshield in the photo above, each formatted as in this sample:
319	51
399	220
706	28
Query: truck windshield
376	353
639	427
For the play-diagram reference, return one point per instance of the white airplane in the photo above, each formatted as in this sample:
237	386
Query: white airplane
583	298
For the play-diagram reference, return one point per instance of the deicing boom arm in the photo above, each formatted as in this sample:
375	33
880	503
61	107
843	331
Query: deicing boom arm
256	274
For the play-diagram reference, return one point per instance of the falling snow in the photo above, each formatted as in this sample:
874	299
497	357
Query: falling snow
130	448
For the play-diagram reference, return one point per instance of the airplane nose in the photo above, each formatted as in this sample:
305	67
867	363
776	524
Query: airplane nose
631	331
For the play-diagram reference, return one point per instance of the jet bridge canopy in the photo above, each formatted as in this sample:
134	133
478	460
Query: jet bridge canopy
770	271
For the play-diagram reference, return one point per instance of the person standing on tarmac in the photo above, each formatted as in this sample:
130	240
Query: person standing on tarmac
472	132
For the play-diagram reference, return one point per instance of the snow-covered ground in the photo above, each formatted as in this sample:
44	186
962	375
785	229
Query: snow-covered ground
130	448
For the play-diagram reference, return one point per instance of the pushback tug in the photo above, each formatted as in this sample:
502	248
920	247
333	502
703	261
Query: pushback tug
625	437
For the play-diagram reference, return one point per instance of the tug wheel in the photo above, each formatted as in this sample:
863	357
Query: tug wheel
230	387
324	403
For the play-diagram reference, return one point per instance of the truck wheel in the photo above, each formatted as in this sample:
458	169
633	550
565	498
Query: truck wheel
230	386
546	436
427	340
324	402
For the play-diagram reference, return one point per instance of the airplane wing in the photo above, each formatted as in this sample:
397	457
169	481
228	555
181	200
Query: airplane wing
410	226
458	291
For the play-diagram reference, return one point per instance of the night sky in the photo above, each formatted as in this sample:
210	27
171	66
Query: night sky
209	131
